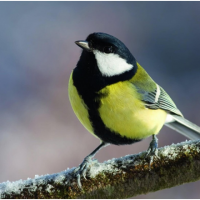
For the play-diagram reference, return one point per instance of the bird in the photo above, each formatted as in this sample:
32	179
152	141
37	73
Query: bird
117	101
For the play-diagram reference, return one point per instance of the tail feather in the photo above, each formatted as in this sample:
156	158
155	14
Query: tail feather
184	127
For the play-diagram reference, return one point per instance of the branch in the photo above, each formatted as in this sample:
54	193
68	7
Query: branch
117	178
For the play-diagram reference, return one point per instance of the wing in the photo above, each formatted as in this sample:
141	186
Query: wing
159	99
152	94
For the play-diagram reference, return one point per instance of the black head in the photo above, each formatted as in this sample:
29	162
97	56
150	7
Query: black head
104	60
112	56
106	43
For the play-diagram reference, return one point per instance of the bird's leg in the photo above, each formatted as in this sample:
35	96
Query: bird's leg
153	149
83	167
153	146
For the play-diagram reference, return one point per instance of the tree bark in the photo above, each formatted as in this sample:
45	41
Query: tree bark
117	178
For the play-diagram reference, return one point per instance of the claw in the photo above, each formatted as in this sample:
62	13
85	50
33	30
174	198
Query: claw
81	170
79	181
152	150
84	173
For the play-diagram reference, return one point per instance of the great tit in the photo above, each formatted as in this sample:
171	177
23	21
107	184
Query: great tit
117	101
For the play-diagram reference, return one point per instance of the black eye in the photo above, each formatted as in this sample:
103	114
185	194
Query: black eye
108	49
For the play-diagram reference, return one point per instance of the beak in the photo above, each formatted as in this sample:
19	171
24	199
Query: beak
83	44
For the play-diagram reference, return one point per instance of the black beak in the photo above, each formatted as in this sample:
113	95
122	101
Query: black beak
83	44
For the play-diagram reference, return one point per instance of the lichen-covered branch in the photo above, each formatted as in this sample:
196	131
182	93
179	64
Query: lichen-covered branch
117	178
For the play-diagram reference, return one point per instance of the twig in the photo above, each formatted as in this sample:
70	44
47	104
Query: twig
117	178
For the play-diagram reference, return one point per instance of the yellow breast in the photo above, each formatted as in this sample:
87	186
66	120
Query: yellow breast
123	112
78	105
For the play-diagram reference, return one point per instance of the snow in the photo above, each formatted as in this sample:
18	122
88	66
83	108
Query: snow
33	184
49	188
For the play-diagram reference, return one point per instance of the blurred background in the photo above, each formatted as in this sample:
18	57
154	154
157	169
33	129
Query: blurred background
39	133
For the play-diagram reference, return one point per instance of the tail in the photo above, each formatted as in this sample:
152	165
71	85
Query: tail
184	127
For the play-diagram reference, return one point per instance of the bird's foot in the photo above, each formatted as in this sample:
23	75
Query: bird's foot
85	165
152	151
81	170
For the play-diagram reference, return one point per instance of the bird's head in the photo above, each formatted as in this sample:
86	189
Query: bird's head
112	56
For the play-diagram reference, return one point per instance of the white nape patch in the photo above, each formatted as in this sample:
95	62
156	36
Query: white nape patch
157	93
169	119
111	64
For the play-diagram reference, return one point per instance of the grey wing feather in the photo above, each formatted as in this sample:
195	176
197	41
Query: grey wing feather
159	99
184	127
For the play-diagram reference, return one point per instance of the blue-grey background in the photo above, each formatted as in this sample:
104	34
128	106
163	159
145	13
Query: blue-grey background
39	133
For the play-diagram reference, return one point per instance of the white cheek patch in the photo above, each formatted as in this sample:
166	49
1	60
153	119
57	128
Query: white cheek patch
111	64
